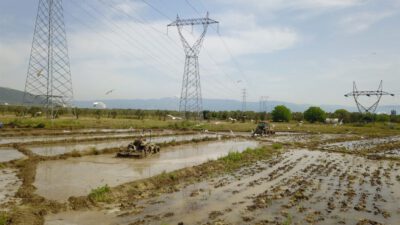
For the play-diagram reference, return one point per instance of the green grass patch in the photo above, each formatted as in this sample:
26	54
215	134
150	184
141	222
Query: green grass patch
232	157
100	194
4	219
288	220
277	146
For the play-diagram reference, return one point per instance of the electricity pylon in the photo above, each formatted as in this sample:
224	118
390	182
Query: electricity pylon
48	81
263	104
367	109
191	99
244	95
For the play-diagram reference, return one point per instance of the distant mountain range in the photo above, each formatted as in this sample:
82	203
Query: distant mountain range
15	97
12	96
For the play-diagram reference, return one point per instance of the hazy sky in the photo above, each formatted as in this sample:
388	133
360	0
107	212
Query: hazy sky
301	51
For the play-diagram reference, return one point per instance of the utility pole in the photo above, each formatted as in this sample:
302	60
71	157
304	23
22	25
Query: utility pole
244	95
191	98
48	81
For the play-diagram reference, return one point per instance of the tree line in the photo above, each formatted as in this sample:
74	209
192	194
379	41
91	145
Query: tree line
279	114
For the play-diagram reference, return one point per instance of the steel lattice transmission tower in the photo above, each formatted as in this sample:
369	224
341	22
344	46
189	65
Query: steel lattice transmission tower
244	96
263	104
378	93
48	82
191	99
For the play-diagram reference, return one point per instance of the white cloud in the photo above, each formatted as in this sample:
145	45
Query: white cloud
258	40
362	21
273	5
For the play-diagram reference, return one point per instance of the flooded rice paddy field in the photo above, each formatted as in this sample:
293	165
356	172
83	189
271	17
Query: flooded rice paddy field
9	154
362	144
297	187
58	149
287	137
60	179
87	135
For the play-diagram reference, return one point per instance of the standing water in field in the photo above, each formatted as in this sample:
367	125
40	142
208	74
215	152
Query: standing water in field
9	154
58	149
58	180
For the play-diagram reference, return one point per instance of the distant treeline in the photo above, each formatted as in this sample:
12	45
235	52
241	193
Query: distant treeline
278	114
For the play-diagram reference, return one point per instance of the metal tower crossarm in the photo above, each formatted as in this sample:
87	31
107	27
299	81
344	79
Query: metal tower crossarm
192	22
378	93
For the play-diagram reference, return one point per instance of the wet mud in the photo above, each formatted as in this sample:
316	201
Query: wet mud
9	184
297	187
60	179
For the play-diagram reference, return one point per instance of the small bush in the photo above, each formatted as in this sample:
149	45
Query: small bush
100	194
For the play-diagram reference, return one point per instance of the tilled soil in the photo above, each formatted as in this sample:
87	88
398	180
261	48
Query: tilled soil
303	137
9	184
358	145
297	187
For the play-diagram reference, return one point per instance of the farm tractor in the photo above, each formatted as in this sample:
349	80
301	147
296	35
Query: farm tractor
263	128
139	148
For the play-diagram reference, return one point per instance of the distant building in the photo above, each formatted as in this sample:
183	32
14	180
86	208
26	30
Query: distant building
393	113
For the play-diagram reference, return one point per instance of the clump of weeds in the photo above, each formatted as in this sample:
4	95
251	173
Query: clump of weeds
4	219
100	194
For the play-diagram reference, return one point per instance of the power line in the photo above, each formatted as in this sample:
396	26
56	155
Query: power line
129	38
110	40
208	54
206	51
224	44
127	53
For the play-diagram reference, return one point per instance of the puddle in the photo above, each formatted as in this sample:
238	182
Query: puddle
9	154
58	180
361	144
9	184
312	187
58	149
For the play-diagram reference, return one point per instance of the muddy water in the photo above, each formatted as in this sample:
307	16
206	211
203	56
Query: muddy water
117	134
9	154
59	180
309	187
9	184
58	149
302	137
361	144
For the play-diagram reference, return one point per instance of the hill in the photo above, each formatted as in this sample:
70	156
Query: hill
14	97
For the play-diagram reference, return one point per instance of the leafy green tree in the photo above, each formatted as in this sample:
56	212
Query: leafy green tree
298	116
382	118
206	115
343	115
314	114
281	113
